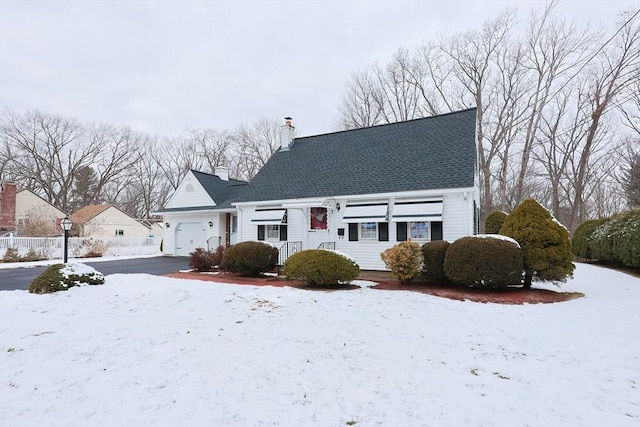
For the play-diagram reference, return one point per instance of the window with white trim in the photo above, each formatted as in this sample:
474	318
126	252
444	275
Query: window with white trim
419	230
368	231
273	232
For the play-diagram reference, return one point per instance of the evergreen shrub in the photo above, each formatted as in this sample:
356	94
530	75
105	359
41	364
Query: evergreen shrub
484	261
33	255
11	255
319	267
249	258
618	240
58	277
494	221
544	241
203	260
404	260
580	240
433	253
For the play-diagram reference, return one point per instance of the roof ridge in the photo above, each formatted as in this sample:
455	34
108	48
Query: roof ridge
388	124
216	176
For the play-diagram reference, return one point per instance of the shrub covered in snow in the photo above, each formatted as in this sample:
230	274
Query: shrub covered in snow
433	254
404	260
250	258
203	260
617	240
544	241
318	267
60	277
485	260
580	240
494	221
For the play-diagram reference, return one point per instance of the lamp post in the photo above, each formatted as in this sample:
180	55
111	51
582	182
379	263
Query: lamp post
66	226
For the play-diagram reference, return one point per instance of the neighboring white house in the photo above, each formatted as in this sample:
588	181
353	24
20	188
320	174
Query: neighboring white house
106	221
358	191
31	208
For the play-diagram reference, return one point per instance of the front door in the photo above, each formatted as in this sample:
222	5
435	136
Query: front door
318	227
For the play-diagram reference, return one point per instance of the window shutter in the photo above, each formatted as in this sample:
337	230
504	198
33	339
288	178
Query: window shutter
401	231
353	232
383	231
436	230
261	232
283	233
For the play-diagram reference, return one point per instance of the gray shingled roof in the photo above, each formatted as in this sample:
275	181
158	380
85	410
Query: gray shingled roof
423	154
222	192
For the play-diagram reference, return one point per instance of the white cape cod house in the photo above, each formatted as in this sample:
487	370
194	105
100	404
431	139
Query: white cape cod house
358	191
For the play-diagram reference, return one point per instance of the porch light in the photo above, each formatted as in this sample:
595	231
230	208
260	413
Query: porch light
210	224
166	224
338	207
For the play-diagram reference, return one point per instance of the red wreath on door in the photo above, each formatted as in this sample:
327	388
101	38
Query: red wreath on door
318	218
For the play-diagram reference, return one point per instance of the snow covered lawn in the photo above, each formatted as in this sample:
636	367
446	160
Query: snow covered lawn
144	350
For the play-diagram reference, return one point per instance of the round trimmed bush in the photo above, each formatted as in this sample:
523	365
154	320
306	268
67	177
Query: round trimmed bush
404	260
58	277
494	221
319	267
580	240
485	260
250	258
433	254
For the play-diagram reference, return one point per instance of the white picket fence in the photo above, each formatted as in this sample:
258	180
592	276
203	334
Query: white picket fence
53	247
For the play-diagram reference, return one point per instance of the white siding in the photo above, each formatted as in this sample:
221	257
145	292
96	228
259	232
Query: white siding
296	225
107	222
366	254
457	220
452	217
218	229
33	208
248	231
189	194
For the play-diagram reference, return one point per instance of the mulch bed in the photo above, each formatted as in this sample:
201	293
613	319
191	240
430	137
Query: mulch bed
386	282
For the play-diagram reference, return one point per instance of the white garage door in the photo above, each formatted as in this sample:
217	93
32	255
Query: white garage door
189	236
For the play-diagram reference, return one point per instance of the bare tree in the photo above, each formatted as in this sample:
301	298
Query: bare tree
473	55
120	150
359	107
254	143
618	68
213	147
628	173
46	152
175	157
147	189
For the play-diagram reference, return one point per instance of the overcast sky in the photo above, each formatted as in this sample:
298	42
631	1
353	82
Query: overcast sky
164	66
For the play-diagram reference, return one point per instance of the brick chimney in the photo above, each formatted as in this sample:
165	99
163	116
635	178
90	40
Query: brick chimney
287	133
8	192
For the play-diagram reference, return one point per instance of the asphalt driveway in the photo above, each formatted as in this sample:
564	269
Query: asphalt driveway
21	278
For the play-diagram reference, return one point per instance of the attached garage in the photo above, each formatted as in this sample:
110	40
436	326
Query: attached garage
189	236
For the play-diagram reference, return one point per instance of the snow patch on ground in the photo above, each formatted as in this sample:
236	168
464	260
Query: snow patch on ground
9	265
145	350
